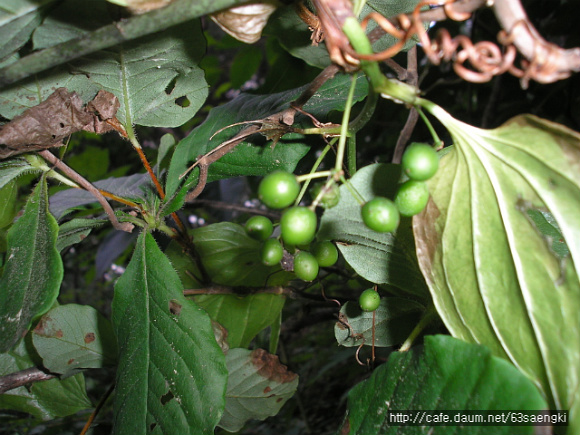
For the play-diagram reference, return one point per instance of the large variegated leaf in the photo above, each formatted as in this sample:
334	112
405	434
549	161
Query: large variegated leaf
492	272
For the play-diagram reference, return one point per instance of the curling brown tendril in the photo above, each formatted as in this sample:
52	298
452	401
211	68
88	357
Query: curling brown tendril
474	62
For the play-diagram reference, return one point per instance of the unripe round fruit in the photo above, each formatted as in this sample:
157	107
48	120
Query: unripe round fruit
420	161
380	214
412	197
272	252
278	189
305	266
330	197
259	227
325	253
369	300
298	226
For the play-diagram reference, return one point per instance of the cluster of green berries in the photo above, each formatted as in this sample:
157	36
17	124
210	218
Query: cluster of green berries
420	162
278	190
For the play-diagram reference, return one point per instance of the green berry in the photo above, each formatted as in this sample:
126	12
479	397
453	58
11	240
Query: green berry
272	252
278	189
305	266
412	197
420	161
259	227
380	214
325	253
298	226
369	300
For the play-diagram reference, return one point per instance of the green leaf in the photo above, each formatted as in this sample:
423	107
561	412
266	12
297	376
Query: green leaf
243	317
393	322
8	197
231	257
547	225
33	271
171	375
382	258
156	78
14	168
493	275
258	386
447	374
71	20
294	35
249	158
18	19
44	400
244	65
73	337
75	231
133	187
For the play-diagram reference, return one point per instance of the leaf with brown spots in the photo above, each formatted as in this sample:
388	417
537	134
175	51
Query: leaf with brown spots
73	337
258	386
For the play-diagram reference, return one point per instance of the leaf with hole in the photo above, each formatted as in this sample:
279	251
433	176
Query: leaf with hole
163	385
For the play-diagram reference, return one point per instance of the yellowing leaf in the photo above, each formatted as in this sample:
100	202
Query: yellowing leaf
494	277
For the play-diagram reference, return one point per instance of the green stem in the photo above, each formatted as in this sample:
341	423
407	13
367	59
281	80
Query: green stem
344	127
429	315
357	196
311	175
313	170
351	154
392	89
437	142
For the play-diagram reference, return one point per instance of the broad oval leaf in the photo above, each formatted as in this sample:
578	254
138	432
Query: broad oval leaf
73	337
243	316
393	322
171	376
233	258
446	374
44	400
382	258
258	386
155	78
493	274
33	271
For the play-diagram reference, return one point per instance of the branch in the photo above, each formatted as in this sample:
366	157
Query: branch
73	175
548	61
23	377
177	12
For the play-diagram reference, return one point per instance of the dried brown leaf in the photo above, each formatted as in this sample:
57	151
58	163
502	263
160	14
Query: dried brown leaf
48	123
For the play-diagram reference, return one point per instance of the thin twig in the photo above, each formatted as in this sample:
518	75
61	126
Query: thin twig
23	377
407	130
97	409
85	184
